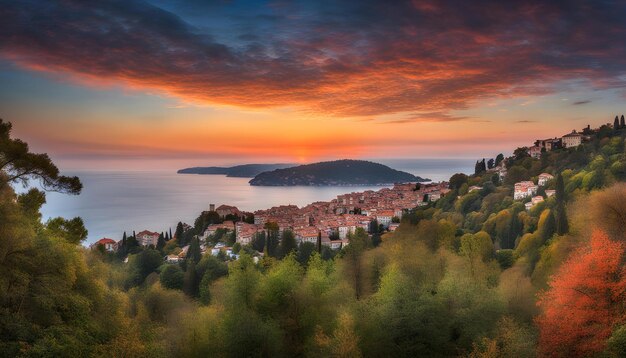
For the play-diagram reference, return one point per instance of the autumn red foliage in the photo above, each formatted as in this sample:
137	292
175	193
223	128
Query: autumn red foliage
584	301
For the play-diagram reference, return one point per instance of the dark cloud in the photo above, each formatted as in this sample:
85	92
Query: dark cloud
578	103
525	121
360	58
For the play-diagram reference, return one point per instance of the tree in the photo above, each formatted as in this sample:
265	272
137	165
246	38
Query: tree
194	253
190	284
561	223
499	159
161	242
585	300
490	164
457	180
20	165
480	167
305	250
353	253
172	277
179	231
622	123
616	123
73	231
547	225
287	243
271	238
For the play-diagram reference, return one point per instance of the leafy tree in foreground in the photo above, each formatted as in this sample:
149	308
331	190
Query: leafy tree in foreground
20	165
584	302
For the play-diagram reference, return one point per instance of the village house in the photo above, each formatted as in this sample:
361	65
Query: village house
172	259
245	233
524	190
308	234
211	229
548	144
225	210
535	151
550	193
384	217
573	139
147	238
109	244
544	178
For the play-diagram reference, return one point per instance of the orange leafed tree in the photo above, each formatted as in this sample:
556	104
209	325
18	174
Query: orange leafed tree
584	301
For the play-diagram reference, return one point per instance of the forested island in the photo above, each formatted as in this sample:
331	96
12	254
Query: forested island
339	172
237	171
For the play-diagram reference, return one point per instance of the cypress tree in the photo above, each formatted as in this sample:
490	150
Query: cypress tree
179	231
319	242
170	237
194	253
160	242
616	123
562	226
621	122
189	284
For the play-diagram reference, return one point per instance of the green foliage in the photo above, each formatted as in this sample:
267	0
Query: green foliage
172	277
20	165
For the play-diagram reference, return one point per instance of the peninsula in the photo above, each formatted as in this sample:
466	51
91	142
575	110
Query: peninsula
339	172
238	171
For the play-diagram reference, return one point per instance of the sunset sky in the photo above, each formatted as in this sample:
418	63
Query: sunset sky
166	84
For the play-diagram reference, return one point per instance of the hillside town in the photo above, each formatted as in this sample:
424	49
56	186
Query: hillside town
329	223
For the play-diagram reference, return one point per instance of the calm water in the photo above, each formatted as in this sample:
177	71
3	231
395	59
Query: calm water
114	202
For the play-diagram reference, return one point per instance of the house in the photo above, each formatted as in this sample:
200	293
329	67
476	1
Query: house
147	238
172	259
109	244
573	139
550	193
524	189
384	217
225	210
245	232
307	234
211	229
535	151
544	178
536	199
549	144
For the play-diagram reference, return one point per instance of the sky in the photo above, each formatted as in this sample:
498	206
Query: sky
167	84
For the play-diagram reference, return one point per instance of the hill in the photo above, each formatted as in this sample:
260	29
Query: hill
339	172
238	171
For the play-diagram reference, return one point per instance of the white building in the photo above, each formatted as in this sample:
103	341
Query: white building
573	139
544	178
524	189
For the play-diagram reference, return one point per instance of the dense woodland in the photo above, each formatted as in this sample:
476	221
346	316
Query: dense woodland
473	274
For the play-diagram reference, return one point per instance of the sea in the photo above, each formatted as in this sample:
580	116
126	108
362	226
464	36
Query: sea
114	202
